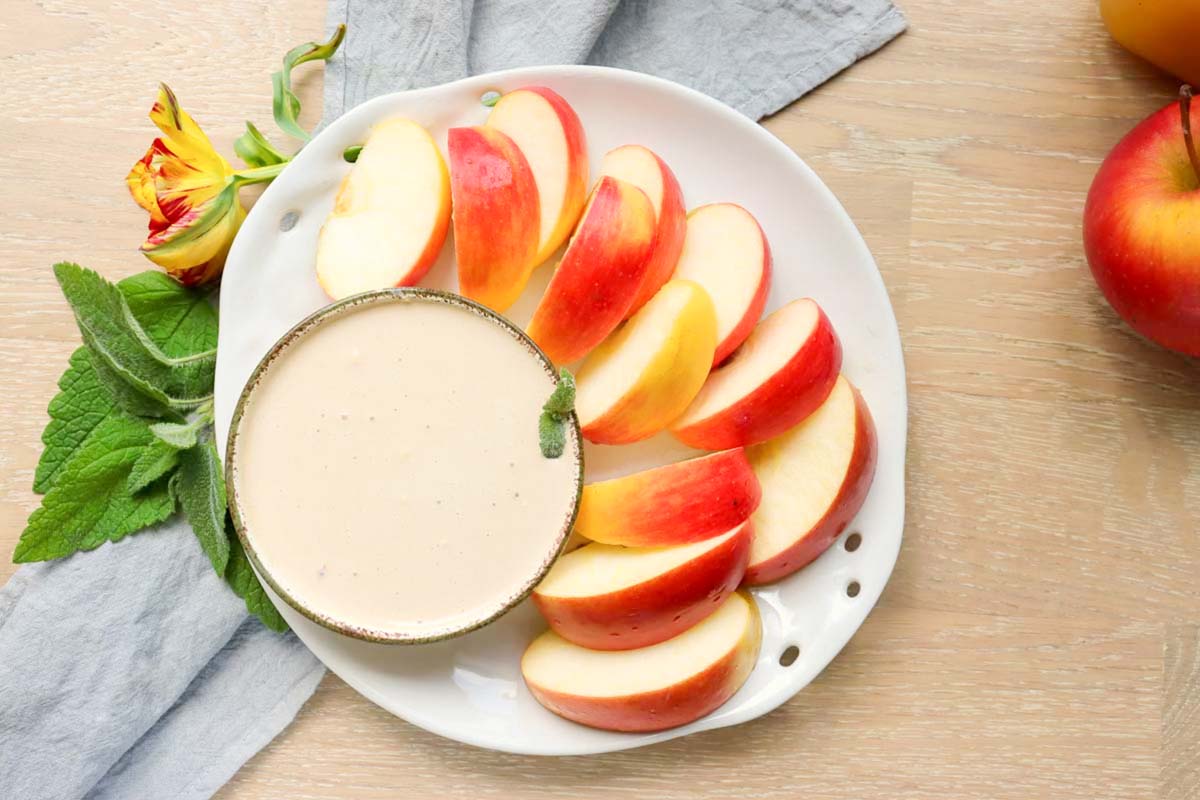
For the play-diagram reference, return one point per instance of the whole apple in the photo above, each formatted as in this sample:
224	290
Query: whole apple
1141	227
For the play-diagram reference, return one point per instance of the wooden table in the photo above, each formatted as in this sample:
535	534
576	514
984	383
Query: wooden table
1039	636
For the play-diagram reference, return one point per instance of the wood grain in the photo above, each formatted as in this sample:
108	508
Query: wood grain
1037	638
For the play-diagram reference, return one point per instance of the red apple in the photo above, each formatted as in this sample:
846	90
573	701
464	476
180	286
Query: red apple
644	169
726	252
391	213
782	373
676	504
617	598
814	479
599	274
549	134
1141	228
652	688
495	215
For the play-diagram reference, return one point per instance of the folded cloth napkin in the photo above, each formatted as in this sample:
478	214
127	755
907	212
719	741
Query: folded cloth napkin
132	671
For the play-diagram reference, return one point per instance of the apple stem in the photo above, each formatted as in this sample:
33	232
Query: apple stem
1185	112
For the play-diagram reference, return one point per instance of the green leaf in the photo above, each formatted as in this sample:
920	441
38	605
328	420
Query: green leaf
179	320
80	405
156	460
490	99
91	502
254	149
285	104
562	401
241	578
551	438
177	435
121	348
200	487
352	153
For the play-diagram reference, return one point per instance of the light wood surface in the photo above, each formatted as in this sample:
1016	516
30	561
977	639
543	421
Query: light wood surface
1038	638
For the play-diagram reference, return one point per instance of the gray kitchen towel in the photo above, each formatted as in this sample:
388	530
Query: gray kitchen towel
131	672
754	55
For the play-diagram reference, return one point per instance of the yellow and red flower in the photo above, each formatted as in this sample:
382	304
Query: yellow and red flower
191	195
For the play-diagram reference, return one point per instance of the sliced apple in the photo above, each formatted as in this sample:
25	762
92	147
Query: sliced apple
727	253
495	215
814	479
617	598
683	502
599	274
644	169
646	374
652	688
548	132
391	213
782	373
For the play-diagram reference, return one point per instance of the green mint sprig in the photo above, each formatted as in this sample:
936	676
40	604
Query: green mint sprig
129	440
553	420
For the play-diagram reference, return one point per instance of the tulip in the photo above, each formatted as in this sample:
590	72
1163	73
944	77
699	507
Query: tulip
191	194
191	191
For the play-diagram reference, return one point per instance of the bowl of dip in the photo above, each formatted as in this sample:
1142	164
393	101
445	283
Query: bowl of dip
384	469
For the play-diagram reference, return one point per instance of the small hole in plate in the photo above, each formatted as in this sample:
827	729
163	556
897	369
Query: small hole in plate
789	655
289	220
853	589
852	542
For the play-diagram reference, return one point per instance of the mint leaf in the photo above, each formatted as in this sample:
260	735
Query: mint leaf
122	349
200	487
552	436
179	320
562	401
241	578
178	435
156	460
91	502
80	405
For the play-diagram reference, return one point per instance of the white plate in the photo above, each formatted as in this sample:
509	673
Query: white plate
470	688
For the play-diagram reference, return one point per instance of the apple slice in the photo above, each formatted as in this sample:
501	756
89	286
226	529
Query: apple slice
548	132
782	373
646	374
495	215
599	273
652	688
641	167
676	504
727	253
391	213
617	598
814	479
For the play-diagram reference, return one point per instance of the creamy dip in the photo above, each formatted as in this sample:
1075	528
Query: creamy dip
388	472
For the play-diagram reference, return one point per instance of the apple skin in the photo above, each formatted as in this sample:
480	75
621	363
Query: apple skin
680	503
599	274
670	221
668	707
575	191
656	609
495	215
784	400
1141	231
855	487
674	374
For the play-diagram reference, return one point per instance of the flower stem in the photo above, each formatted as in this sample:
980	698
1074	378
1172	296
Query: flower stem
258	174
1185	113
